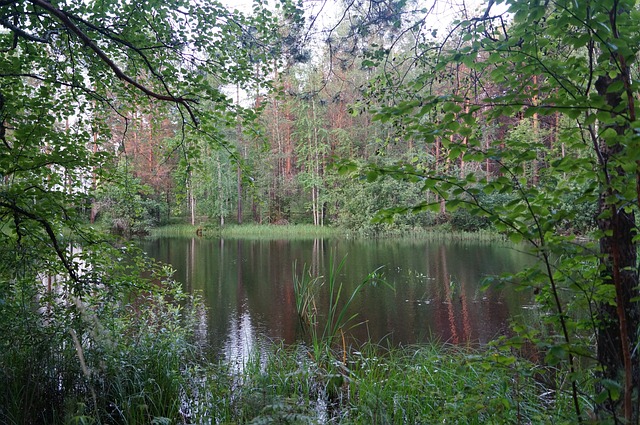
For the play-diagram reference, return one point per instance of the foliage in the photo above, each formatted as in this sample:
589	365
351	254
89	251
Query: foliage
75	76
358	200
523	122
146	360
560	62
119	352
79	81
125	207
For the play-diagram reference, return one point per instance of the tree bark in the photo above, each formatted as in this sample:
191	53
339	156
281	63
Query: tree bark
618	331
239	168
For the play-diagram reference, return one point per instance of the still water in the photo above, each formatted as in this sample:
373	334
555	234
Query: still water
436	291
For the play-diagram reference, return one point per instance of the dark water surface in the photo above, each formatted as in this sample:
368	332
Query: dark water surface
248	287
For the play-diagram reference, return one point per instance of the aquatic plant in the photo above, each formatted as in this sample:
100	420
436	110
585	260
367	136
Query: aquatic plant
324	331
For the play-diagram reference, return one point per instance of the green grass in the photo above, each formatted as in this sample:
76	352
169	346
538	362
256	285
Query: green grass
145	367
305	231
175	230
446	384
257	231
253	231
425	384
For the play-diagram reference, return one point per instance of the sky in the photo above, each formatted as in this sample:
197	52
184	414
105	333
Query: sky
328	13
443	11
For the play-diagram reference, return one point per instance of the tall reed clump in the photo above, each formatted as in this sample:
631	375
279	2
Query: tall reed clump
327	331
34	363
145	367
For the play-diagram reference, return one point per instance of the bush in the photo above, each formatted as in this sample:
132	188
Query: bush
359	201
462	220
128	209
119	350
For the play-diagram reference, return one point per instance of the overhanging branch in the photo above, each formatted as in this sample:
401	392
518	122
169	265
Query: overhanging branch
50	233
86	40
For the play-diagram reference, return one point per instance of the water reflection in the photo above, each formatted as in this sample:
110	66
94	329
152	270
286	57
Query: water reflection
241	342
248	288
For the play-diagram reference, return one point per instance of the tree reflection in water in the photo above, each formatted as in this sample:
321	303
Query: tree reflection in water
247	286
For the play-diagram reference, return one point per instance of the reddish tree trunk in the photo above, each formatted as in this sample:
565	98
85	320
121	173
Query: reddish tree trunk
619	323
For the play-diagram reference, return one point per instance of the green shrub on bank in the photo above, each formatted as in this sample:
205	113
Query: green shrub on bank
141	364
114	352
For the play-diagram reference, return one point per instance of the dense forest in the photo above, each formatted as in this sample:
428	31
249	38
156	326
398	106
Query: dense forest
381	117
283	165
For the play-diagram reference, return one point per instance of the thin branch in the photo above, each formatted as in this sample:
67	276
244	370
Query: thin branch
22	33
50	232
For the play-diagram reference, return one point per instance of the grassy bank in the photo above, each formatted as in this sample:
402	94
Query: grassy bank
254	231
300	231
257	231
425	384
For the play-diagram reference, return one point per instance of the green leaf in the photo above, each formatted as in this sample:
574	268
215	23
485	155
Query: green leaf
516	238
372	176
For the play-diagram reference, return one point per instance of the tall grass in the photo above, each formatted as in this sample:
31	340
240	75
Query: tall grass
427	384
305	231
146	368
450	384
100	359
257	231
175	230
253	231
146	373
324	331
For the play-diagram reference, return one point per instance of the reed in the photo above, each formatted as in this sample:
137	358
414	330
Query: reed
116	361
298	231
307	231
175	230
325	331
431	383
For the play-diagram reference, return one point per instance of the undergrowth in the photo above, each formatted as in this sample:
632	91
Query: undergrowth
135	358
432	383
140	363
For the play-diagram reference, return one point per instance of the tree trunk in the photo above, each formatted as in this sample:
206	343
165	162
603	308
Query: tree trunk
619	323
192	200
535	125
220	191
94	182
239	168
